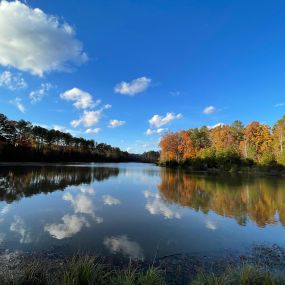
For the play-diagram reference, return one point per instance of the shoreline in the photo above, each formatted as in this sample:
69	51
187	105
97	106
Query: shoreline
255	171
73	163
178	269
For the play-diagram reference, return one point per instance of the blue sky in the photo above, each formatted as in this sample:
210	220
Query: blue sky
123	72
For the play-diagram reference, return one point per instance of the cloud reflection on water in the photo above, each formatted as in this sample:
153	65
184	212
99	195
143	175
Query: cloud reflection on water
156	206
72	224
110	200
122	244
19	227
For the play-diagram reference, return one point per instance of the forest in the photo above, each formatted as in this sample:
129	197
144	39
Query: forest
226	147
21	141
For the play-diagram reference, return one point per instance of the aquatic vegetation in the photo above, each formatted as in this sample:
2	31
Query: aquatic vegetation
245	274
89	270
81	270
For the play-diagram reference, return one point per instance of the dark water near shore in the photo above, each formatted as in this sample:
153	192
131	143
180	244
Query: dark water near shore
136	209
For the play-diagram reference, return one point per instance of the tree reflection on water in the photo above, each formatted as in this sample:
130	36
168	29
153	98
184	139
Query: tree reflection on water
18	182
261	200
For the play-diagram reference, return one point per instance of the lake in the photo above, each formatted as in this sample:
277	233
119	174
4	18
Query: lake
136	210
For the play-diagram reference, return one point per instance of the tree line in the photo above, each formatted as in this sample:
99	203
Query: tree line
226	146
23	141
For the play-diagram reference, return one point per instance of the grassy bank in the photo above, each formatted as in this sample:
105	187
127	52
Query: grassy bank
87	270
82	270
243	275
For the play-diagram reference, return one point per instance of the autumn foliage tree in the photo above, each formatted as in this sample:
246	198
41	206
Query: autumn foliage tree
186	147
258	142
170	150
254	143
278	134
222	138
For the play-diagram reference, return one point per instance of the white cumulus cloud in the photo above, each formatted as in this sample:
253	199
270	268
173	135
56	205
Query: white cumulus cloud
209	110
59	128
82	99
215	126
38	94
145	145
90	118
132	88
18	103
11	80
279	104
150	132
116	123
33	41
93	131
107	106
158	121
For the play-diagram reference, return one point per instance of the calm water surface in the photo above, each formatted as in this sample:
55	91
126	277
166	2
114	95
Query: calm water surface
134	209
